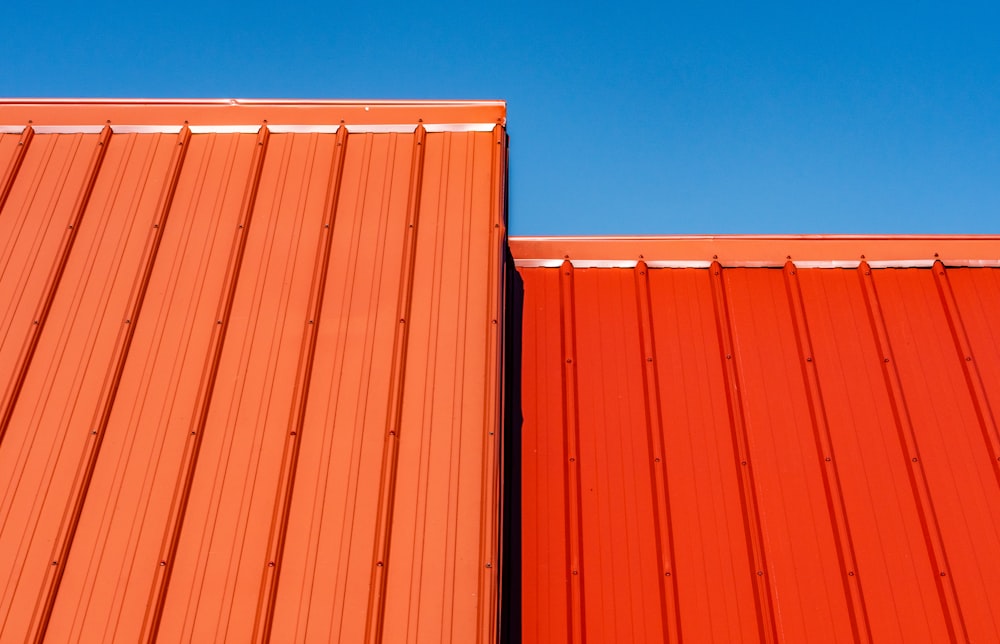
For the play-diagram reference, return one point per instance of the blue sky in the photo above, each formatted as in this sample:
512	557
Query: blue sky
625	118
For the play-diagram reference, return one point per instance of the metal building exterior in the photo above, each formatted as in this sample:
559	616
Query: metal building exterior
273	371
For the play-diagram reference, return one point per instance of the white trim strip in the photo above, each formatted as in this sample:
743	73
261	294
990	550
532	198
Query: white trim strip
304	129
460	127
828	263
145	129
694	263
225	129
679	264
902	263
67	129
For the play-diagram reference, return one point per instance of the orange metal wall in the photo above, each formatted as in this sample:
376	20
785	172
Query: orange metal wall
249	382
773	454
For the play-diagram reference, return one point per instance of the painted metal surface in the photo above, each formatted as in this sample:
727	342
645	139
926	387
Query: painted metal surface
249	380
760	454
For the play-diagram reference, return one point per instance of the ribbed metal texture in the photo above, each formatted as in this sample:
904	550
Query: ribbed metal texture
760	454
249	384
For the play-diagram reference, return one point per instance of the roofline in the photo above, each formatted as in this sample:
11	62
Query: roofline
69	114
806	251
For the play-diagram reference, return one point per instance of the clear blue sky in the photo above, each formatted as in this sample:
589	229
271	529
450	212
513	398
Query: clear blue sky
624	118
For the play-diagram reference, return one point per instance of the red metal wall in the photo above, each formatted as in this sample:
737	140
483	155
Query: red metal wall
744	454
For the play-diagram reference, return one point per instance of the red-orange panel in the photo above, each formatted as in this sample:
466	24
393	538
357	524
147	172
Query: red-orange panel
977	296
620	568
33	228
712	568
807	577
53	428
116	554
438	561
951	450
546	602
222	553
894	569
330	534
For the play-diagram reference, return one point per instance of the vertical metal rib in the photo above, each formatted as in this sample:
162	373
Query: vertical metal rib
490	495
78	494
178	505
669	603
571	428
911	453
973	379
763	597
850	575
52	283
10	175
390	452
264	618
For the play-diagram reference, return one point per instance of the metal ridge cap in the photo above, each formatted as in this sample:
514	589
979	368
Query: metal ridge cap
746	237
290	102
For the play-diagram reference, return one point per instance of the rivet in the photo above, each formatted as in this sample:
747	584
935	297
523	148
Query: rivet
788	256
729	356
218	321
491	433
163	563
641	256
71	226
793	272
93	431
326	225
572	459
885	359
828	459
156	225
566	273
392	432
35	322
642	272
379	564
850	574
656	460
310	321
193	433
809	359
914	459
943	573
936	255
649	359
270	564
868	273
716	272
760	573
292	433
489	565
565	256
241	225
743	462
968	358
667	574
493	321
55	563
577	572
569	360
715	257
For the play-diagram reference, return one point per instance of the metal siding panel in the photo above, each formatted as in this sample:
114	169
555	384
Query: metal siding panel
893	565
842	378
545	536
949	442
224	299
712	566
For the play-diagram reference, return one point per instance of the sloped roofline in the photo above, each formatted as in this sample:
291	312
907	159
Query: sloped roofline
68	115
805	251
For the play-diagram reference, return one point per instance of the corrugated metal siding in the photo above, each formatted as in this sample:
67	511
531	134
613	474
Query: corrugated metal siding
744	454
250	385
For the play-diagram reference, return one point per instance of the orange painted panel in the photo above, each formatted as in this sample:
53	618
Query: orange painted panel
262	396
790	454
